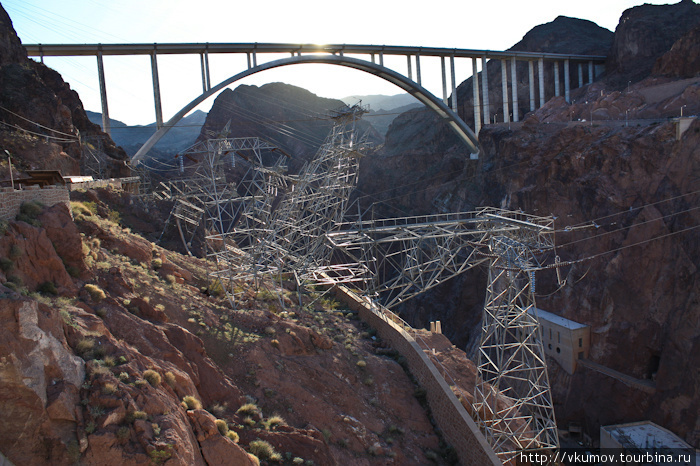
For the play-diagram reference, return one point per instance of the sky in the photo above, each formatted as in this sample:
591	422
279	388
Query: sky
490	25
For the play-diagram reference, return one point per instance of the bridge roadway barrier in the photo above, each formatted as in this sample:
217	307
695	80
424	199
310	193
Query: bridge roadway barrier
455	423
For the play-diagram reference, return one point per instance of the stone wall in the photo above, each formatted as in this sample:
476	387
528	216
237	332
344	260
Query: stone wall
11	199
455	423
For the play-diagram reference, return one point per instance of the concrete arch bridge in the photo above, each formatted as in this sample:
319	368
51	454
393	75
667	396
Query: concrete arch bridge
371	61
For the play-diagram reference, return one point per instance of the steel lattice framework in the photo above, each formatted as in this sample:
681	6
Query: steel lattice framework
273	222
280	219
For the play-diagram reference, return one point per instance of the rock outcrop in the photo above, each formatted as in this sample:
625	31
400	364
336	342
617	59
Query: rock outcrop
35	98
293	118
643	34
683	60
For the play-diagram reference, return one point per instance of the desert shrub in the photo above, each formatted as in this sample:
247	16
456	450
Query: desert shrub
233	435
123	433
136	415
6	264
190	402
361	364
48	288
101	312
140	383
123	377
15	252
262	449
248	409
90	427
85	345
222	426
114	217
4	226
171	279
157	263
95	292
170	378
215	288
152	377
218	409
109	388
249	421
274	422
29	211
121	360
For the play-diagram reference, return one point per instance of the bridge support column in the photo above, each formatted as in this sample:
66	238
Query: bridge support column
410	70
531	72
567	82
477	103
204	73
454	84
103	93
557	87
485	91
156	91
444	81
372	55
514	88
580	74
418	69
381	58
590	72
540	73
504	81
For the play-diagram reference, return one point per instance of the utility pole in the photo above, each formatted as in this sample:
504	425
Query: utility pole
9	161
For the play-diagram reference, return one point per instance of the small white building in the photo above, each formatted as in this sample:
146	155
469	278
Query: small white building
648	441
564	340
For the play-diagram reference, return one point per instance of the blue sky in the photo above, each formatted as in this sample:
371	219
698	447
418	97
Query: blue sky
493	25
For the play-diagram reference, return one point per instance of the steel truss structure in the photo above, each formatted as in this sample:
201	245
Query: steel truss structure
396	259
273	222
279	219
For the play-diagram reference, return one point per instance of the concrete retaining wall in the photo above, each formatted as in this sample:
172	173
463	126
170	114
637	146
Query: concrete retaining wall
457	426
12	199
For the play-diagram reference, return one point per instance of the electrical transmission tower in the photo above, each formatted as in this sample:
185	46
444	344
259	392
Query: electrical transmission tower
274	222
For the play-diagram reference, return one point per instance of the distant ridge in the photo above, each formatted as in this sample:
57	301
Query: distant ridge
131	138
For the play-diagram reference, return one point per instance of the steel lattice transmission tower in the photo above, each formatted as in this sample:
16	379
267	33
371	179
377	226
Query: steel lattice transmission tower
280	219
274	222
512	396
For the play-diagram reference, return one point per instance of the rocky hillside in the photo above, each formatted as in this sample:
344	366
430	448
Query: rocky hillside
635	179
294	118
116	351
42	118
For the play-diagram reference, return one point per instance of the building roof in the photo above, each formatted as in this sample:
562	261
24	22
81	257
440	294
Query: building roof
645	435
557	320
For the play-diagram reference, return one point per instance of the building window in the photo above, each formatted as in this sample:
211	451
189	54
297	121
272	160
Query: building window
549	346
558	350
580	342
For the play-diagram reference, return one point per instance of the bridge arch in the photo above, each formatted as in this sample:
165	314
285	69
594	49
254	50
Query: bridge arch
423	95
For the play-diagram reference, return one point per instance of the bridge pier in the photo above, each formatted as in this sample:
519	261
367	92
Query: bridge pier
454	84
410	72
156	90
580	74
567	82
540	72
485	91
514	87
444	80
590	72
477	103
557	90
504	81
103	93
531	71
418	69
